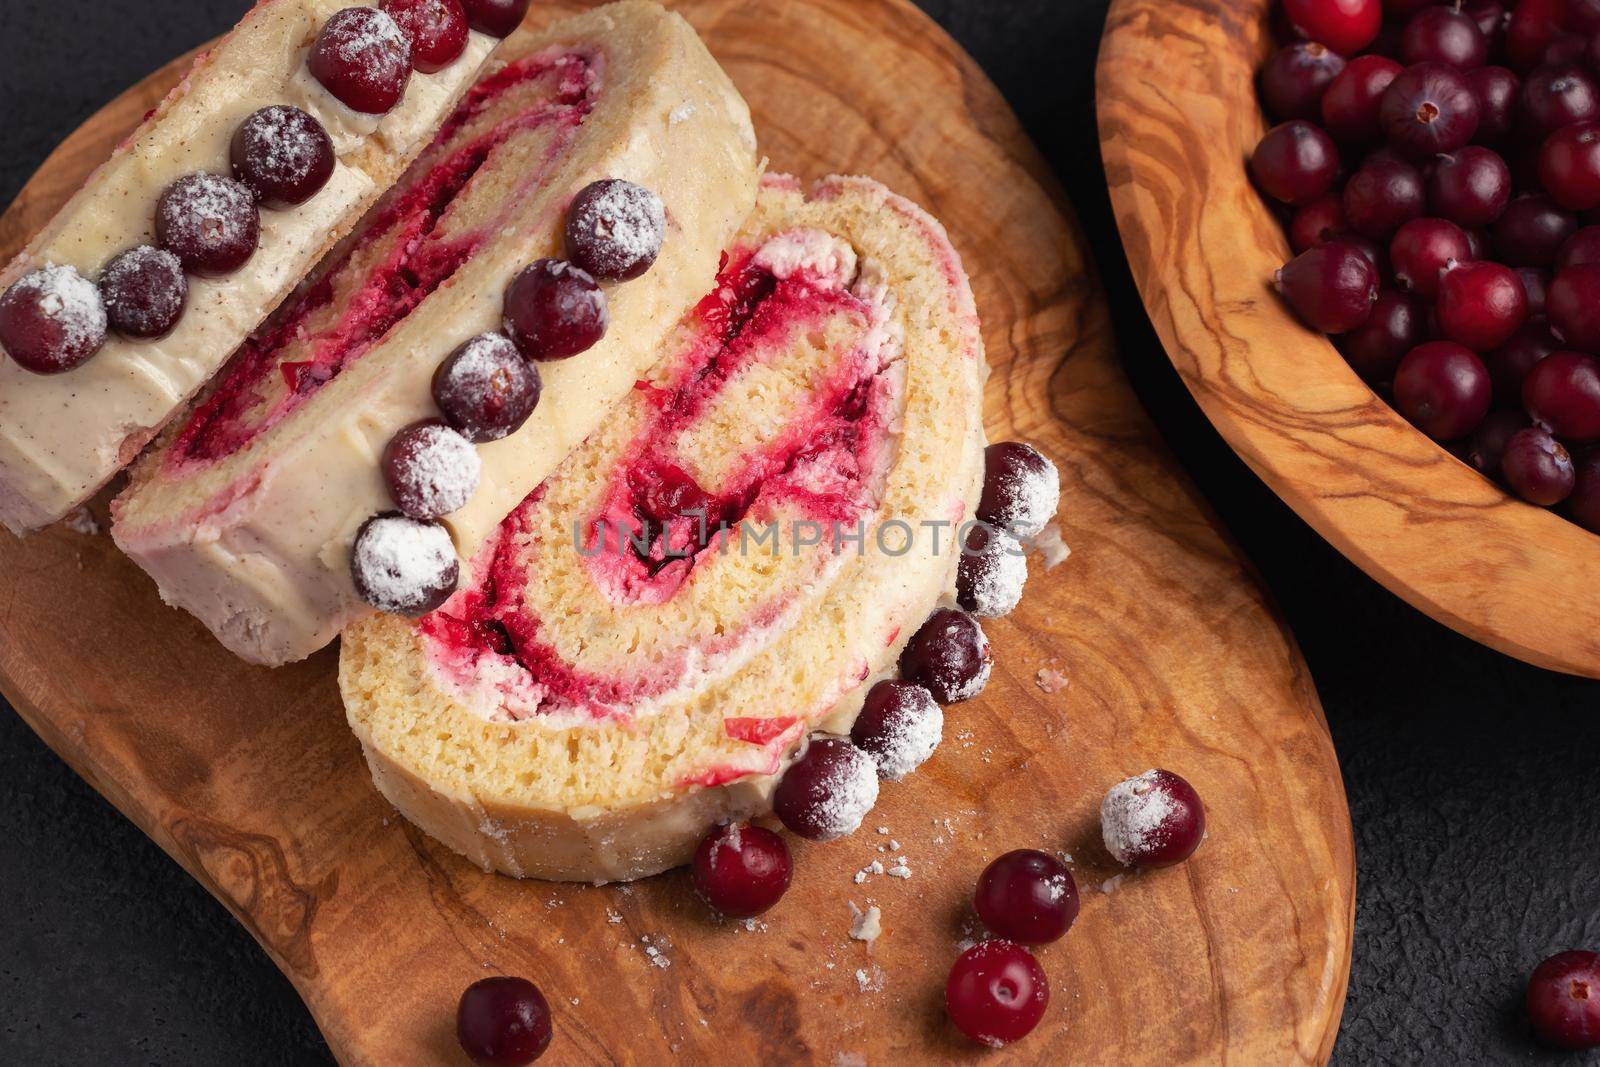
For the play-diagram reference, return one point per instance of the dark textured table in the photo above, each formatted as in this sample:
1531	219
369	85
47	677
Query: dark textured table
1473	779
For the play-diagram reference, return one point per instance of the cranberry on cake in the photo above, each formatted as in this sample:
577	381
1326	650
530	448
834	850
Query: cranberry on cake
449	353
204	218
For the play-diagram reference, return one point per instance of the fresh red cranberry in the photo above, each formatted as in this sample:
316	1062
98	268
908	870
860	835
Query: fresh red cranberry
1320	220
144	290
403	566
1429	108
1491	17
485	388
431	470
1510	363
1533	27
1497	90
1486	449
949	655
1346	26
52	320
1569	166
209	222
1562	394
1404	9
1443	35
991	573
741	870
1536	283
1481	304
1294	78
283	154
1563	1000
1563	49
1531	231
503	1022
996	993
900	725
1470	187
1295	162
1021	488
497	18
1443	389
555	310
1582	16
363	58
1422	250
1381	196
1573	305
1555	96
615	229
1027	896
1583	506
1350	104
1582	247
1537	467
826	793
1374	252
1395	327
1152	820
1331	287
436	29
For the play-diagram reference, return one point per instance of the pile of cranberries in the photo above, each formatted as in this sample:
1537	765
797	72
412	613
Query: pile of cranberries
1438	170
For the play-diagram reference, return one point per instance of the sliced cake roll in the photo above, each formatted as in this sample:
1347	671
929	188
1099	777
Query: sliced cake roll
723	566
569	212
142	286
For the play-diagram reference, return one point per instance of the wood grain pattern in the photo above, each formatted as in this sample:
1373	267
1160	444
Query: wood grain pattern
249	778
1178	119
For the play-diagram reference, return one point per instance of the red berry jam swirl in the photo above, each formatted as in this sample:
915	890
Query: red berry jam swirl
654	531
415	240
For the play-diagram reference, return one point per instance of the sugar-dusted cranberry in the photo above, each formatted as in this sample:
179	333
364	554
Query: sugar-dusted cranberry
1429	108
1555	96
436	29
991	572
503	1022
1295	162
144	290
1510	363
1381	196
1583	506
283	154
949	655
1582	247
1531	231
1331	287
1533	27
1562	393
1154	819
1027	896
1497	90
900	726
1350	103
826	793
363	58
1573	306
1320	220
1470	187
1486	449
431	470
1346	26
996	993
485	388
497	18
1537	467
1443	389
741	870
1481	304
615	229
1422	250
1443	35
1021	488
209	222
1563	1000
403	566
1395	327
52	320
555	310
1569	166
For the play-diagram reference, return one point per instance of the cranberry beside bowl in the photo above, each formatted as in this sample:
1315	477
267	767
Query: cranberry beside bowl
1360	251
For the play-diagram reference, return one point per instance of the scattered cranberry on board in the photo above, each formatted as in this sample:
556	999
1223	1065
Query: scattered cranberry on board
1027	896
1154	819
741	871
996	993
1563	1000
503	1022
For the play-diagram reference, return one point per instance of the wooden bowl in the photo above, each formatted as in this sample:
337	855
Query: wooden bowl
1178	118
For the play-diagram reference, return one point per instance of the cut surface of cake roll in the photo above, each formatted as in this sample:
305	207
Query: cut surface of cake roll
74	414
246	512
723	566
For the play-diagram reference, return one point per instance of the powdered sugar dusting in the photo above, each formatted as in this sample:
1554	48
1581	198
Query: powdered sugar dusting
369	42
286	144
69	300
398	560
623	225
1132	816
910	736
441	469
473	369
994	576
851	790
1031	492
